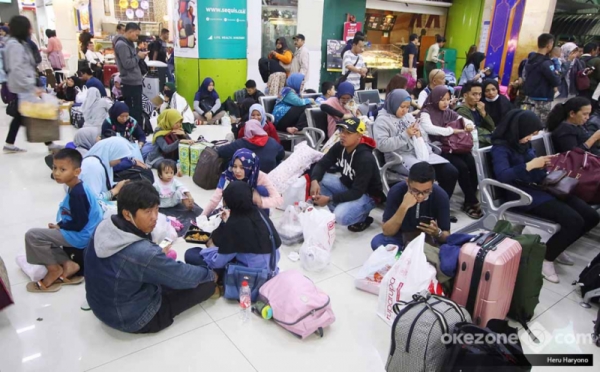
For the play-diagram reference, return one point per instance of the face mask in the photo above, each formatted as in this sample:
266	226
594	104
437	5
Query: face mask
169	93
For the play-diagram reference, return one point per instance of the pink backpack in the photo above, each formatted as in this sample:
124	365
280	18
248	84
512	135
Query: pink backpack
297	304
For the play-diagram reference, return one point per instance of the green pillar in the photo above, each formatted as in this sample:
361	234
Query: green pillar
334	16
462	28
187	77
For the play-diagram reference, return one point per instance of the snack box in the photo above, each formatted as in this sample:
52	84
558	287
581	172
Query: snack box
184	153
185	168
195	230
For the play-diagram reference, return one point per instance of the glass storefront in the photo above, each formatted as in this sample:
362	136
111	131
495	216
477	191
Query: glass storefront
279	19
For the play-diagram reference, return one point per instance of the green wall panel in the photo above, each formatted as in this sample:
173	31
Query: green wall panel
334	16
229	75
186	76
462	28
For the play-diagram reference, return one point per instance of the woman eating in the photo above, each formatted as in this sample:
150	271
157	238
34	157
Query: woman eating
516	164
336	107
245	166
207	105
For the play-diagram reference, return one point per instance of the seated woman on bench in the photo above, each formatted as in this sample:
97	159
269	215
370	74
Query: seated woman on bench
516	164
566	123
289	110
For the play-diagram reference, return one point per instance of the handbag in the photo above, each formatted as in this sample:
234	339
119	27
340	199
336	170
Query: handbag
458	143
235	274
344	77
587	167
12	109
558	183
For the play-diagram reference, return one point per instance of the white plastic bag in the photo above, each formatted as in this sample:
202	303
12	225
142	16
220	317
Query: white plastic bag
421	149
208	225
34	272
289	229
296	193
163	230
409	275
154	119
44	107
81	96
374	269
318	227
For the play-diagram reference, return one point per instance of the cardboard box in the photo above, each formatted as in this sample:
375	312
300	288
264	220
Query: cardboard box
184	153
65	113
192	169
185	169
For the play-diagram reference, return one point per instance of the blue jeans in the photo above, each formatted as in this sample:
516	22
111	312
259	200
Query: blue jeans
346	213
381	239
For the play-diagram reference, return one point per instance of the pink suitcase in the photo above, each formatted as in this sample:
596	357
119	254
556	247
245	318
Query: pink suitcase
487	271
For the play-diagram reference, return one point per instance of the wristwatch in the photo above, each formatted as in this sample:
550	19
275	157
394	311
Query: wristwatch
439	234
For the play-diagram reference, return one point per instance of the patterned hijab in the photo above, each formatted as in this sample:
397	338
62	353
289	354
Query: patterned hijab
251	166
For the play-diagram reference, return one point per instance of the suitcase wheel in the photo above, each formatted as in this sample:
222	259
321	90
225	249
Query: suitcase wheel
319	331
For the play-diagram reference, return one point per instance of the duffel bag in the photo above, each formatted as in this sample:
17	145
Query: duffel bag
208	169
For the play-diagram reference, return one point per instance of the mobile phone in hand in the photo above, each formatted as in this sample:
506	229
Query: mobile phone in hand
426	220
165	243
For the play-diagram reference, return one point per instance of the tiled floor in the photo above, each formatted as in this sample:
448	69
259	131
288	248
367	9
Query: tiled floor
49	332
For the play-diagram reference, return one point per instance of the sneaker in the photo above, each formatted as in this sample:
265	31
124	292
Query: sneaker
361	226
11	149
565	259
549	272
55	147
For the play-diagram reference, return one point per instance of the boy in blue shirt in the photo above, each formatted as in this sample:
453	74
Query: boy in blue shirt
78	215
92	82
413	207
327	91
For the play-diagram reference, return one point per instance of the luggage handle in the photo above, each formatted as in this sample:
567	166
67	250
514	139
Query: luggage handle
484	237
493	244
453	305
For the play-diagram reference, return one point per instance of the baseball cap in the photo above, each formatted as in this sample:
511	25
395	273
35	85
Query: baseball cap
300	36
352	125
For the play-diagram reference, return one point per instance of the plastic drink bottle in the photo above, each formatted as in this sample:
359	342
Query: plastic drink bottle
245	301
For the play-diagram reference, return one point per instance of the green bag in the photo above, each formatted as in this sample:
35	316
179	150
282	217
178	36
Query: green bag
529	277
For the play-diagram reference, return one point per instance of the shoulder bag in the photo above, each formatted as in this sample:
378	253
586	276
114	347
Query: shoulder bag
459	143
345	76
235	274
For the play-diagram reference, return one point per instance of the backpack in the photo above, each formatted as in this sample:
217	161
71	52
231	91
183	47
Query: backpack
589	279
497	352
208	169
296	304
418	330
529	276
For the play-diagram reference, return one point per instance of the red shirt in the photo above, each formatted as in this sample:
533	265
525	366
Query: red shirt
269	128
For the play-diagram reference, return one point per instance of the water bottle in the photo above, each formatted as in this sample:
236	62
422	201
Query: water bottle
245	301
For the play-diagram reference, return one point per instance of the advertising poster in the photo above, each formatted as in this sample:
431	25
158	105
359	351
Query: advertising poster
222	29
185	24
334	55
350	29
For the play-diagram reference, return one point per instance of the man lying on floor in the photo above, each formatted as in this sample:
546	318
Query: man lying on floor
131	284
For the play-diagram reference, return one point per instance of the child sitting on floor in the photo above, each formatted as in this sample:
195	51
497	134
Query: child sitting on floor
78	215
171	190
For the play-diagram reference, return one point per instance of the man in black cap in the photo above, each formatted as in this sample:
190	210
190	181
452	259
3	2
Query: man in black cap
301	57
353	195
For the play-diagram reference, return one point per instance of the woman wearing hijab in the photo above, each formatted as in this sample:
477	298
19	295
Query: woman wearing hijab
207	105
516	164
336	107
256	140
117	94
97	167
569	53
95	109
289	109
396	130
257	112
496	105
283	54
471	71
173	100
68	90
85	139
119	123
244	236
245	166
436	114
167	137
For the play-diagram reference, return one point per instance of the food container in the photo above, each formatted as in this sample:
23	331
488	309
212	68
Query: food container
196	236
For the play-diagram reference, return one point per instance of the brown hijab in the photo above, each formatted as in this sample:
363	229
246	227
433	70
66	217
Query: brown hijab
432	107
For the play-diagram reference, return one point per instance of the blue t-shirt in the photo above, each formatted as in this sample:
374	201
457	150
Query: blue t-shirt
411	48
95	83
437	206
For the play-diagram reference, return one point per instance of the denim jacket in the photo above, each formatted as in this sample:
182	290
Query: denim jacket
125	273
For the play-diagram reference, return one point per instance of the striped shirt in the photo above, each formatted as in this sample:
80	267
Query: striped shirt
350	60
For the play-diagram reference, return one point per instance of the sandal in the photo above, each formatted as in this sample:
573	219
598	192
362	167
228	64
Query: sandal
39	287
361	226
473	211
75	280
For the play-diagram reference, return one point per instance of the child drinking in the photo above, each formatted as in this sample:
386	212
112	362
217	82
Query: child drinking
78	215
171	190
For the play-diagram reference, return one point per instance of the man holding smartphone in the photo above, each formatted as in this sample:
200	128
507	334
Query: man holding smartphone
413	207
128	61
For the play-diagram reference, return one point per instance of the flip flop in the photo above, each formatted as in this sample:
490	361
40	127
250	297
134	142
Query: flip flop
39	287
73	281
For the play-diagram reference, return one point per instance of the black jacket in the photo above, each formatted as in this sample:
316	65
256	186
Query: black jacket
269	154
540	78
359	171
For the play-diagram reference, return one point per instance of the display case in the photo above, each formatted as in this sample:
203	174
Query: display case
383	57
279	19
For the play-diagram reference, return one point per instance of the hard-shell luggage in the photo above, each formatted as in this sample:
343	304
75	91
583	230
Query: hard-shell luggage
419	330
108	71
487	271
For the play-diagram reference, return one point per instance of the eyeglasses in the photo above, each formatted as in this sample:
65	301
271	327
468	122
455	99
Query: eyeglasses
420	193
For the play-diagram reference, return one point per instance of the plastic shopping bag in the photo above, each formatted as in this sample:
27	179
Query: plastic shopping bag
374	269
290	229
318	227
164	229
296	193
409	275
34	272
208	224
154	119
44	107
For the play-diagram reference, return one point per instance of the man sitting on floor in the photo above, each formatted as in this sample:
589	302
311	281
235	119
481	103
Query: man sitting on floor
353	195
415	206
131	284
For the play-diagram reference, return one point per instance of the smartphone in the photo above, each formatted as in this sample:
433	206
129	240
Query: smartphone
165	243
426	220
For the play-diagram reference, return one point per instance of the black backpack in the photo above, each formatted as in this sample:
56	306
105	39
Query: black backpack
484	355
589	279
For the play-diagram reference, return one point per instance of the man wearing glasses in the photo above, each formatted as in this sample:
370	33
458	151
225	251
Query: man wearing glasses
415	206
